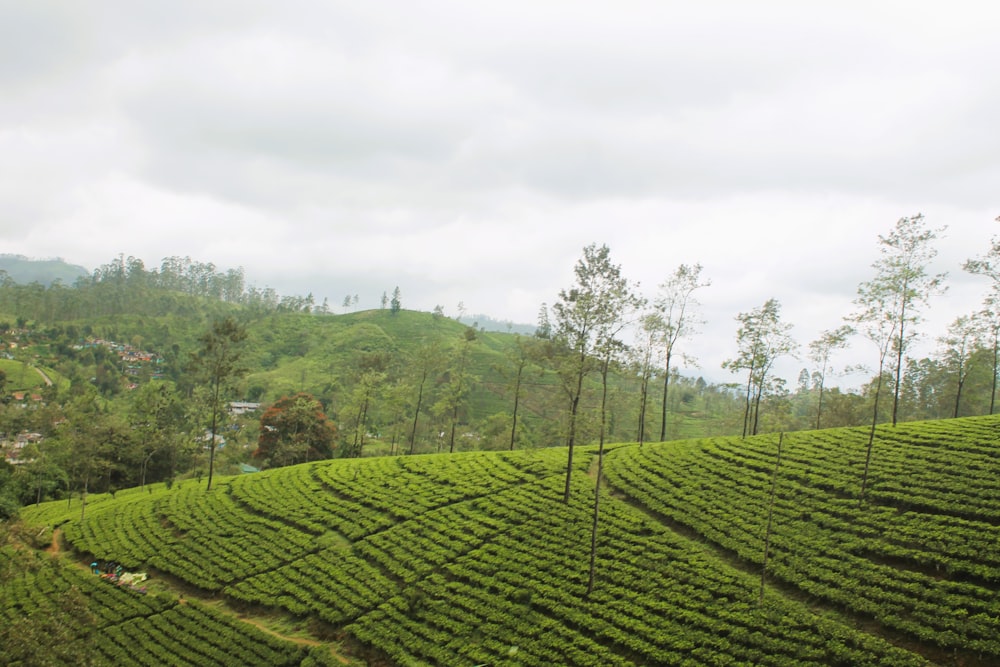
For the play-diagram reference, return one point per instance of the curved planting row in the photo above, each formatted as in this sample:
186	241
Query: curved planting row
202	537
459	498
130	628
918	553
474	558
193	634
520	599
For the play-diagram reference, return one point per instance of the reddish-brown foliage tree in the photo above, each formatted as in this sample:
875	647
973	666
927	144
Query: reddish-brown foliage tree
294	430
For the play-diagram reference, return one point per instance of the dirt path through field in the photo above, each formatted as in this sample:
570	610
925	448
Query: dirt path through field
45	378
182	591
55	548
301	641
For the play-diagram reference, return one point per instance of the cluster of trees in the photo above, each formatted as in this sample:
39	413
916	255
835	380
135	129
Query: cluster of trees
602	364
586	324
587	321
93	440
126	285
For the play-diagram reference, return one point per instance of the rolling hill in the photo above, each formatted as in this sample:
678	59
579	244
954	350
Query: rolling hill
473	558
25	270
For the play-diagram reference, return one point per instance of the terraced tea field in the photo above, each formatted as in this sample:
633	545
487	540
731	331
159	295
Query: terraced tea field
474	559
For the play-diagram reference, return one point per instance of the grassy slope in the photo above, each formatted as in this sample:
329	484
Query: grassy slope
326	350
319	354
24	270
472	558
22	377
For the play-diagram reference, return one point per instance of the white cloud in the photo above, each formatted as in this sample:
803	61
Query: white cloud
468	152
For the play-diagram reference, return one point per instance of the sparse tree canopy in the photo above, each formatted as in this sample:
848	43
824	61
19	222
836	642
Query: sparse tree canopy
584	314
218	362
956	350
820	351
396	303
900	287
988	265
676	308
762	338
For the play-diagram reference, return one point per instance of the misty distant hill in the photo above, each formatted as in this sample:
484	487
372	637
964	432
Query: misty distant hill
24	270
487	323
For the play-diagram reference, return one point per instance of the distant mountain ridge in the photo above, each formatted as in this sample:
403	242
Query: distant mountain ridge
24	270
487	323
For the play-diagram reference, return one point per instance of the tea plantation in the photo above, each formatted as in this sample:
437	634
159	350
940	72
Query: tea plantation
473	558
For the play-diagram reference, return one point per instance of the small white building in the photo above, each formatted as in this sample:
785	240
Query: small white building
237	408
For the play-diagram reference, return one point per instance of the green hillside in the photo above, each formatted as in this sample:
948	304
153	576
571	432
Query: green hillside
25	377
24	270
473	558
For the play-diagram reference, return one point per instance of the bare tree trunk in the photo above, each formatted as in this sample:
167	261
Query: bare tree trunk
746	409
663	409
604	397
451	437
770	516
517	400
819	408
961	384
571	439
364	426
871	439
83	496
756	408
593	531
899	355
996	361
211	445
643	396
416	413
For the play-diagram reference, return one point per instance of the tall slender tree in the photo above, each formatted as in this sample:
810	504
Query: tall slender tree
957	346
518	357
875	320
903	285
396	304
820	351
988	265
581	314
989	323
762	338
218	363
155	417
359	404
426	363
456	388
647	339
620	302
678	309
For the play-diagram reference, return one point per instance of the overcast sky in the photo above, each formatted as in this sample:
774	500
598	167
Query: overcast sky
468	151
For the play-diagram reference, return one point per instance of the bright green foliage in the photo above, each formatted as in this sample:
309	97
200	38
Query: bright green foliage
890	302
218	363
585	316
920	558
473	558
762	338
674	317
55	614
